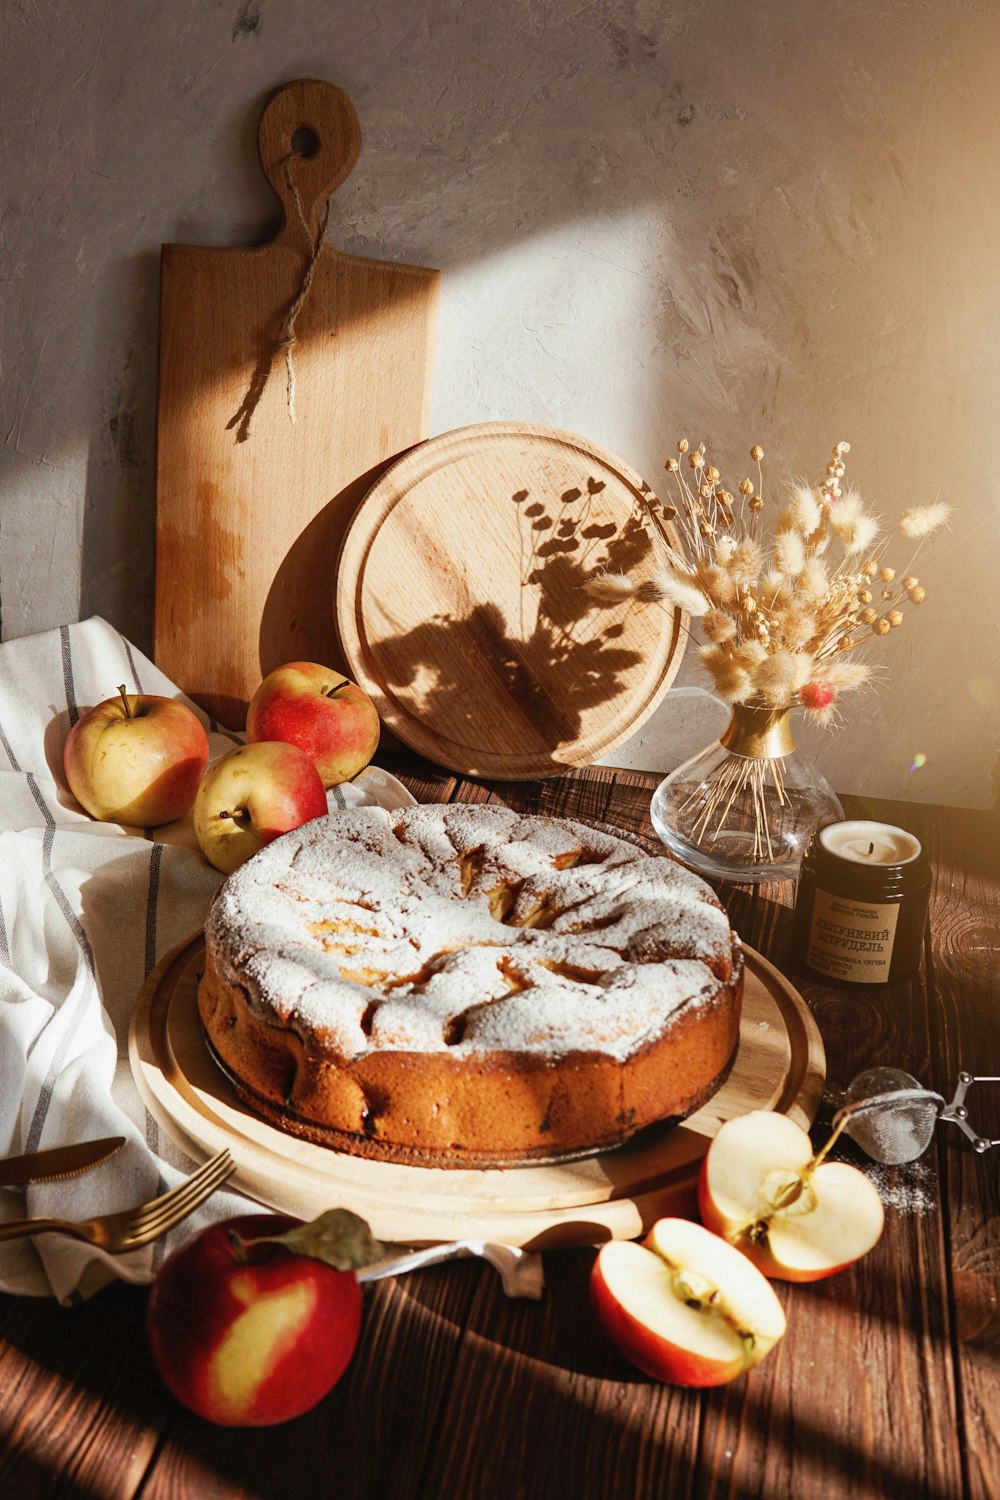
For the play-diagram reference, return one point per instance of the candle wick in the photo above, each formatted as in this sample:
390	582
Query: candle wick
871	847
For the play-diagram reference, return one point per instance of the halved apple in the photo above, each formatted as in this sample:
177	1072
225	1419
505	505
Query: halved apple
684	1306
797	1216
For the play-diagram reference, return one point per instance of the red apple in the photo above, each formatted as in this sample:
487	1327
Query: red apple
250	796
684	1306
136	759
795	1215
322	712
248	1335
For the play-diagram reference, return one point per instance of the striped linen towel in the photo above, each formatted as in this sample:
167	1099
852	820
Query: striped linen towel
86	911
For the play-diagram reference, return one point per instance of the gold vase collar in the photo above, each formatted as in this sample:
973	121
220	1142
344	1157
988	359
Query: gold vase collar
758	732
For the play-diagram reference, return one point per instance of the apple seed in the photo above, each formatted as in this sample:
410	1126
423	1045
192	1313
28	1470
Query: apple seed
783	1191
782	1188
695	1290
700	1294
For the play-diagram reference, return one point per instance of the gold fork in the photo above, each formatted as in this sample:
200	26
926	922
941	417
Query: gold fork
133	1227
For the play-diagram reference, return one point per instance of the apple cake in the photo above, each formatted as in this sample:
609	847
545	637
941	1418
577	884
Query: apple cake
462	985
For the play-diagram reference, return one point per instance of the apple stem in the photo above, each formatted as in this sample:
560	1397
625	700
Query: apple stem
331	691
124	697
789	1192
836	1132
792	1190
338	1237
757	1232
238	1245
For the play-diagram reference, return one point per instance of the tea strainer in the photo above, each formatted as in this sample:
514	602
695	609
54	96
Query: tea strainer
892	1116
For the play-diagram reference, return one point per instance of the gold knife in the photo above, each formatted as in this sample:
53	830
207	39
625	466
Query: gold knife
60	1161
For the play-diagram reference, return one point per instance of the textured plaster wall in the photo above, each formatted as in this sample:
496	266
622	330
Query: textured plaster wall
773	222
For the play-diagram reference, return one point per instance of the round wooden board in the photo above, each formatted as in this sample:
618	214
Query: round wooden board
780	1065
461	611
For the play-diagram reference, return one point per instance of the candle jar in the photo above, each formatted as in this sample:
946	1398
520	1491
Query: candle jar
862	901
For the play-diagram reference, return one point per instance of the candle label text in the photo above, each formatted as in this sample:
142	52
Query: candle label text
852	940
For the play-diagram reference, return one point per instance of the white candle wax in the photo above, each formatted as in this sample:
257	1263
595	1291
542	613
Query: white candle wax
868	843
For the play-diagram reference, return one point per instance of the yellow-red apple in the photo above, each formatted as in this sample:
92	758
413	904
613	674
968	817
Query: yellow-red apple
136	759
250	1334
797	1216
322	712
684	1306
250	796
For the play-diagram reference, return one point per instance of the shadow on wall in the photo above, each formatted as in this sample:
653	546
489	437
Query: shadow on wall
461	160
291	374
769	203
118	543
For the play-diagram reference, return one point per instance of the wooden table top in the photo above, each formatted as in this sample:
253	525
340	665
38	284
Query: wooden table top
887	1382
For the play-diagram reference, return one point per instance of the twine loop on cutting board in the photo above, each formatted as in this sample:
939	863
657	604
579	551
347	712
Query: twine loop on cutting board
258	380
288	340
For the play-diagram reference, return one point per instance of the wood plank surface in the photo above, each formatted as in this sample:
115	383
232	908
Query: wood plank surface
964	1023
290	374
886	1383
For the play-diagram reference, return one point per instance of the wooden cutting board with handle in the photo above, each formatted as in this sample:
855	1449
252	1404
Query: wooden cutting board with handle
290	375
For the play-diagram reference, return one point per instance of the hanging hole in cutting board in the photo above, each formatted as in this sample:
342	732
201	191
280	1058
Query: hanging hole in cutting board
305	142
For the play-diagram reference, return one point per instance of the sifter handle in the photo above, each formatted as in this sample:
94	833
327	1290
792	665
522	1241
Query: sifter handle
956	1112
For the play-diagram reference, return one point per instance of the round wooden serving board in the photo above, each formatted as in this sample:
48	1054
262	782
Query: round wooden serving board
780	1065
461	608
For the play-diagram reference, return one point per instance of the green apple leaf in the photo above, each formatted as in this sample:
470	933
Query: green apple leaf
339	1237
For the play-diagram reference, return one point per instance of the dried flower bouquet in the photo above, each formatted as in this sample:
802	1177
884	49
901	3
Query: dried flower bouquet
779	613
784	595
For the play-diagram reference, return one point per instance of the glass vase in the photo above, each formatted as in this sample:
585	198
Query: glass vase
745	807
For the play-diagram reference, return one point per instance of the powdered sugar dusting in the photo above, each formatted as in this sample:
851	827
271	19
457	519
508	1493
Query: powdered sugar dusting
468	928
906	1189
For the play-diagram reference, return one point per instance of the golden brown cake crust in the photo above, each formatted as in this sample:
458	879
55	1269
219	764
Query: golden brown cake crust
464	986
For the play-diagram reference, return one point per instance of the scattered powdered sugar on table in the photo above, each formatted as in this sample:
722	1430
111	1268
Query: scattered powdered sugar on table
905	1189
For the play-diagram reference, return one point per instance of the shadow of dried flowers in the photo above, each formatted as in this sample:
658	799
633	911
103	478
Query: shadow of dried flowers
558	659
